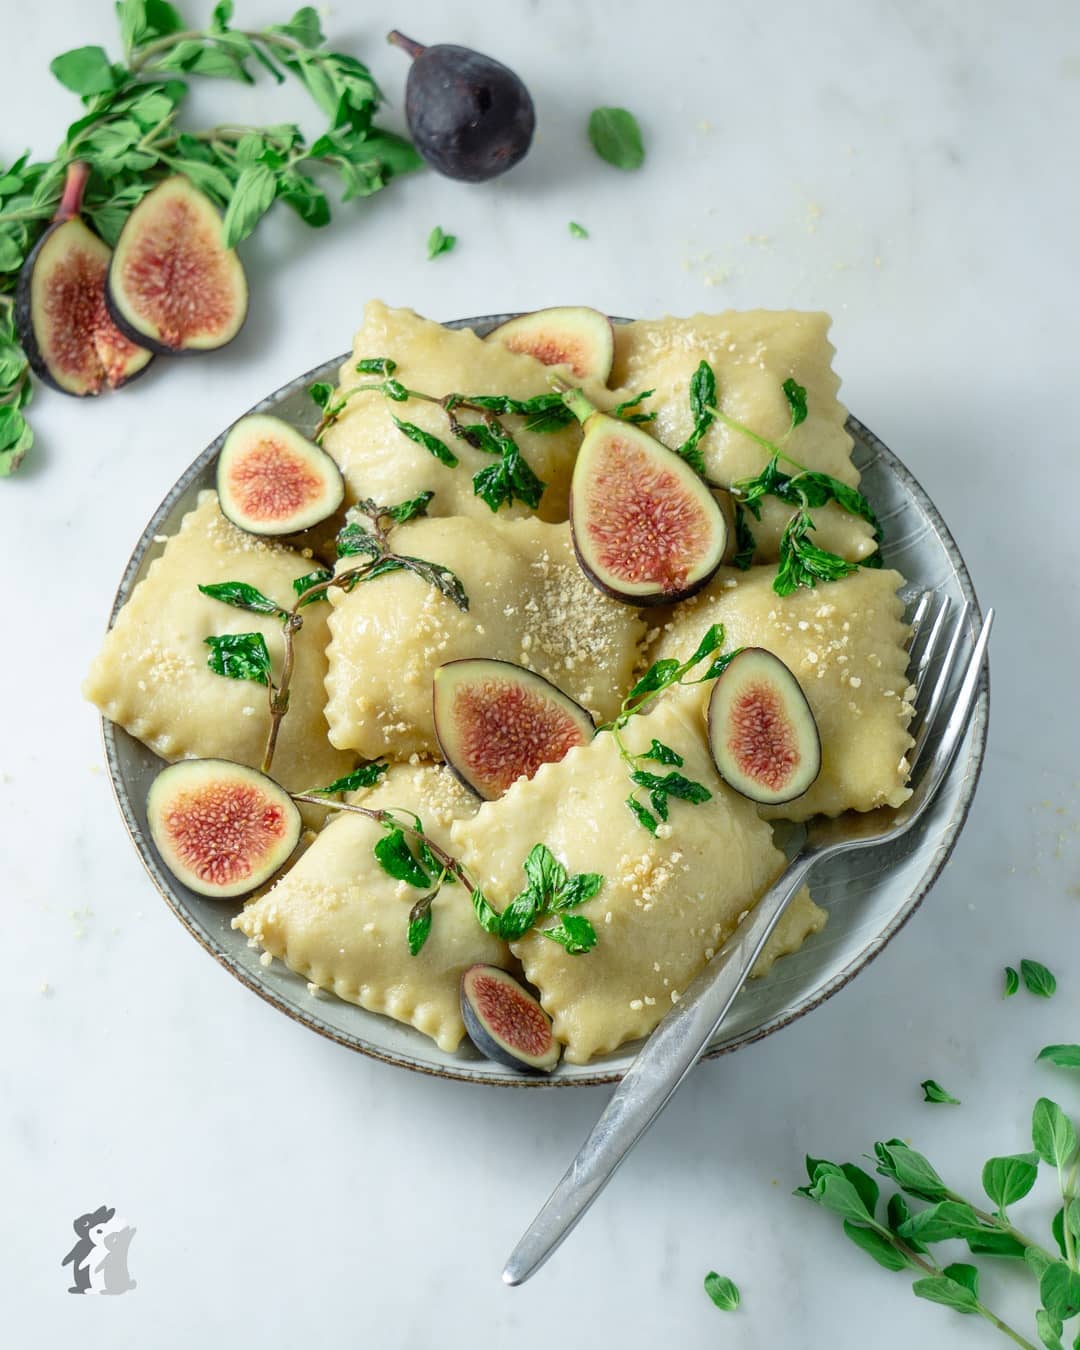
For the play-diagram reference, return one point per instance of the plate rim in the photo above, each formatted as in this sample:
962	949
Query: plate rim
461	1074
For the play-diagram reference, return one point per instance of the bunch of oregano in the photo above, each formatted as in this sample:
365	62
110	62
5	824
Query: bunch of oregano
129	134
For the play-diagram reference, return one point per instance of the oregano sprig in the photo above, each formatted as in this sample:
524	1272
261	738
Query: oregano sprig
245	656
902	1239
661	788
130	137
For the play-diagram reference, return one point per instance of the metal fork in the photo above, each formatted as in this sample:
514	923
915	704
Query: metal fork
682	1037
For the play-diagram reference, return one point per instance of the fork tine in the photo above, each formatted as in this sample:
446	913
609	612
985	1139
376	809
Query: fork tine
919	618
933	638
940	685
959	713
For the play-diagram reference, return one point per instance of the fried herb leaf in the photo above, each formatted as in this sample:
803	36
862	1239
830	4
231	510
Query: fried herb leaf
354	541
240	595
409	510
239	656
364	776
796	401
430	443
310	580
702	404
802	563
745	543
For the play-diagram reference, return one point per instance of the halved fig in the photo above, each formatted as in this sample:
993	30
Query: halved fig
646	528
496	722
762	734
173	286
565	335
271	480
505	1022
64	325
221	828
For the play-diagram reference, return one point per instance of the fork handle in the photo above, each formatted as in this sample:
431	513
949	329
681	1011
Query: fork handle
655	1076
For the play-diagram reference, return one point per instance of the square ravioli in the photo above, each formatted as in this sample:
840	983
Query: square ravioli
752	354
529	602
380	462
152	678
342	922
668	903
846	644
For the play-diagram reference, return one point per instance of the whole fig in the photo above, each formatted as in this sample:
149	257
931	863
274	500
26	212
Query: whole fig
470	117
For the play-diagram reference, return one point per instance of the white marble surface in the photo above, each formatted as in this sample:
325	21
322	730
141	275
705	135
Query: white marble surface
911	168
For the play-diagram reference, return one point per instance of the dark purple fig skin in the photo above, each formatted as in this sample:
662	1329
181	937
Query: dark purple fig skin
486	1043
470	117
24	324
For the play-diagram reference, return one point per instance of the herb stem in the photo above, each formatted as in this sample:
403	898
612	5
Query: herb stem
387	817
163	44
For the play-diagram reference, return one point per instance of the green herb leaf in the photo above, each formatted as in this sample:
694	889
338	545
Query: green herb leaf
672	785
578	231
308	581
1052	1133
574	932
836	1193
950	1293
723	1291
616	137
354	541
964	1274
663	754
624	409
897	1212
946	1219
365	776
395	857
252	197
864	1184
934	1092
1008	1179
796	401
420	923
910	1170
242	596
321	392
239	656
519	916
1049	1328
432	444
1037	979
877	1246
487	917
445	581
802	563
1064	1056
85	71
509	480
543	871
1057	1228
745	543
644	815
376	365
1059	1289
1012	982
577	890
409	510
16	438
702	403
990	1242
439	243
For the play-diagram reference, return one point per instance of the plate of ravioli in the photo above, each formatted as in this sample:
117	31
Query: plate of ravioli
421	589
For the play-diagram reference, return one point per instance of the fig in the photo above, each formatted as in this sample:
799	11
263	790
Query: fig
64	325
505	1022
221	828
273	481
496	722
469	116
646	529
762	734
172	285
565	335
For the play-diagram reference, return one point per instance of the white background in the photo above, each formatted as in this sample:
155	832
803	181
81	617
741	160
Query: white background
911	167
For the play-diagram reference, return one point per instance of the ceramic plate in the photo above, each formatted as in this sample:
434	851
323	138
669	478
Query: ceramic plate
869	896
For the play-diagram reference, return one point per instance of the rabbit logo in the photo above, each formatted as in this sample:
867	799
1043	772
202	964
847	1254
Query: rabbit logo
99	1259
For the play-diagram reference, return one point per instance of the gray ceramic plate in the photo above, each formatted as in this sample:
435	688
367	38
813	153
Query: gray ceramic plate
869	896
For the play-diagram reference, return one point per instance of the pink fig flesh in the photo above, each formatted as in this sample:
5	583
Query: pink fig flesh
762	732
273	481
505	1022
565	335
497	722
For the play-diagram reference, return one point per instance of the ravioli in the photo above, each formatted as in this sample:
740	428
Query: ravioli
342	922
752	353
529	603
378	461
667	903
151	676
845	642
